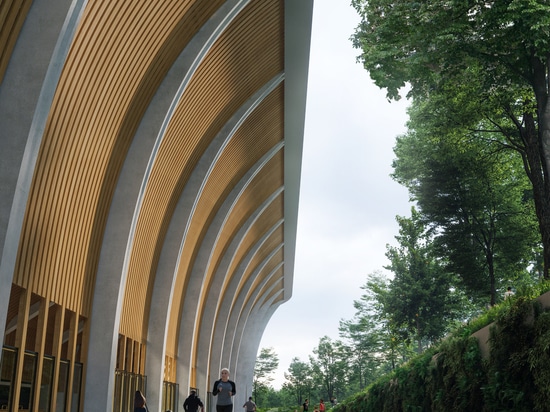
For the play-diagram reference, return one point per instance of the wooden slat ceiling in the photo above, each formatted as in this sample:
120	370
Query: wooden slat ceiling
119	56
246	57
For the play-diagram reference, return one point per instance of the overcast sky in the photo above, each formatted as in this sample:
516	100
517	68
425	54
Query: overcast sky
348	202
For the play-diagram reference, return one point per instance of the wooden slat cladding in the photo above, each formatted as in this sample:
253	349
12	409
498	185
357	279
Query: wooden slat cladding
275	240
245	57
259	189
120	54
275	290
270	217
267	271
255	138
12	17
166	121
275	284
267	178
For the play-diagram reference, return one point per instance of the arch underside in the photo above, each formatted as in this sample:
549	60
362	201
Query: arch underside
150	160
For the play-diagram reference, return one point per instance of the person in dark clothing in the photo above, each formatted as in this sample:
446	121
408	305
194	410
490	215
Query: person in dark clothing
140	404
193	403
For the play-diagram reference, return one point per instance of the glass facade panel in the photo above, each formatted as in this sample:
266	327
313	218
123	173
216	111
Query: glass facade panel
62	386
46	384
126	384
170	396
77	381
27	381
8	361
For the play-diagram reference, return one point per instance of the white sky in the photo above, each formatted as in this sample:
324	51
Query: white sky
348	202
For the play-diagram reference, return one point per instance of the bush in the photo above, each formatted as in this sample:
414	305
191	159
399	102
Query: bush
452	376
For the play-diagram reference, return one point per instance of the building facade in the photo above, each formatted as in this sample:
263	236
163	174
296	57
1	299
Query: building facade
150	157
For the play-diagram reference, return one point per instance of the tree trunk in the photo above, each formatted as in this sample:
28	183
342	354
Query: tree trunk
544	132
537	143
491	268
418	335
537	172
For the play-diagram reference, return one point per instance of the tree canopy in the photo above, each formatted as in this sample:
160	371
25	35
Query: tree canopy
480	63
476	197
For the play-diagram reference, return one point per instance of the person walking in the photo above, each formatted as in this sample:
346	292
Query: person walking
140	403
193	403
249	405
224	389
509	293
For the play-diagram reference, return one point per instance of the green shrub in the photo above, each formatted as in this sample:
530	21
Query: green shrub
452	376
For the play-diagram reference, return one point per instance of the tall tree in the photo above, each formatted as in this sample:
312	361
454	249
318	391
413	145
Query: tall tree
497	53
267	362
373	339
329	365
299	380
420	301
474	194
363	351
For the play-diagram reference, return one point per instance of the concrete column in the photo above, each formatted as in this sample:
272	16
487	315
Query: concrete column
26	93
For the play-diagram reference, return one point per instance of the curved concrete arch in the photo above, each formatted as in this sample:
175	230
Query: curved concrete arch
110	279
253	331
244	306
235	301
235	324
48	45
242	367
207	323
215	342
79	145
174	243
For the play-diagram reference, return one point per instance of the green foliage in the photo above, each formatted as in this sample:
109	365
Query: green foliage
421	298
472	194
453	376
299	381
329	366
470	66
374	344
487	317
539	359
509	380
267	362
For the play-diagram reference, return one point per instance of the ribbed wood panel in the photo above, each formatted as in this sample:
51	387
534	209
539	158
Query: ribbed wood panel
276	281
265	183
254	290
119	56
274	241
273	288
247	55
261	131
260	188
269	218
12	17
260	227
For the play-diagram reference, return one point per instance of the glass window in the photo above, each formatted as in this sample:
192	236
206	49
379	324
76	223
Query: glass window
77	380
8	360
62	386
27	381
46	384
